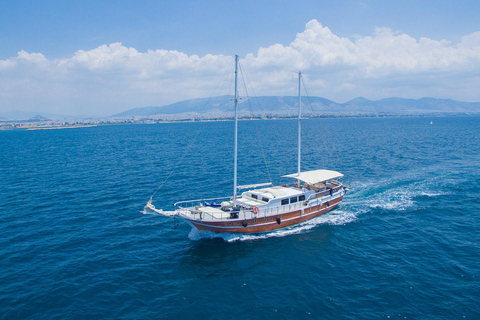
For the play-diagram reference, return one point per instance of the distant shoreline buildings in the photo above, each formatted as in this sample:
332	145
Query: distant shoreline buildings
48	124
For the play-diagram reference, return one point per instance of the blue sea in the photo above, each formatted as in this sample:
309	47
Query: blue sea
404	243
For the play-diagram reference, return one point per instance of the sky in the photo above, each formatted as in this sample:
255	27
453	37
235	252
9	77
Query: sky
99	57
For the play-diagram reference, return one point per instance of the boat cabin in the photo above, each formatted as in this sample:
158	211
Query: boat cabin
273	196
314	183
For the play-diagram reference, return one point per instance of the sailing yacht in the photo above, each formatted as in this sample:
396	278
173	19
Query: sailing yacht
261	208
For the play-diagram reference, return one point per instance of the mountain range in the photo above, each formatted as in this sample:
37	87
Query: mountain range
312	105
222	106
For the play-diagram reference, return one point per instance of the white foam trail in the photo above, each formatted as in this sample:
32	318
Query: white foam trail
393	194
337	217
433	194
392	200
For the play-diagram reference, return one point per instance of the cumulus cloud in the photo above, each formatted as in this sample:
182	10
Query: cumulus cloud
383	53
114	77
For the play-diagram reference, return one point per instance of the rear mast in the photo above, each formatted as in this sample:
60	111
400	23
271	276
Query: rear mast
235	137
299	123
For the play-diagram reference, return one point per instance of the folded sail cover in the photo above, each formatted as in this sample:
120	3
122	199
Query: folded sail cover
315	176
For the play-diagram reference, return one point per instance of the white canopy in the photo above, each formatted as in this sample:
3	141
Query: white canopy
315	176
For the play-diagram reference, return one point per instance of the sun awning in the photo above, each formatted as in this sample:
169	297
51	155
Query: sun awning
315	176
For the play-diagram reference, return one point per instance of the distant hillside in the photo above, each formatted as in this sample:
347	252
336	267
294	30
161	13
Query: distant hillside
195	105
222	104
316	105
38	118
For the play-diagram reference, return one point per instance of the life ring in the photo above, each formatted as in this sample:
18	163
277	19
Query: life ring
255	210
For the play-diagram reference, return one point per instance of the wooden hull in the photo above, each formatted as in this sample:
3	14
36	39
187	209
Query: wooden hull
263	224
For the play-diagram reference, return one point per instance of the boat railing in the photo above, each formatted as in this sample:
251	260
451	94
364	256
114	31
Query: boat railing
323	193
196	202
267	211
248	213
327	192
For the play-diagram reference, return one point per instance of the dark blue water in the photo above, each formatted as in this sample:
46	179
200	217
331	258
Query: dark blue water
404	244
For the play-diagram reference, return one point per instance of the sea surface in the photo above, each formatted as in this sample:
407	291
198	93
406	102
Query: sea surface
404	243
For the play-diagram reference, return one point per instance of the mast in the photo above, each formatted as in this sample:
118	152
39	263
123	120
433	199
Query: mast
235	137
299	122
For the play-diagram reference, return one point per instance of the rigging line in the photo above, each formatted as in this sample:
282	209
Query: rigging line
178	163
321	124
222	80
309	105
244	75
232	80
321	129
228	71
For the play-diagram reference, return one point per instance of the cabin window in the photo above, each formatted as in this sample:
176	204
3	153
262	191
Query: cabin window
264	199
284	202
254	196
293	200
301	198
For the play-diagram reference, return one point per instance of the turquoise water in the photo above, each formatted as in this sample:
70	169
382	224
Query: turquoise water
404	244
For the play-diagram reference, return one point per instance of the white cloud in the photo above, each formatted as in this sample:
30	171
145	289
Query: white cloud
113	78
381	54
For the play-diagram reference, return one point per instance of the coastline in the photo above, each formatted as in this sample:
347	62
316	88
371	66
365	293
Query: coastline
88	123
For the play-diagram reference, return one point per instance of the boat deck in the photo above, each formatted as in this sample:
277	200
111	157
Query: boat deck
209	209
